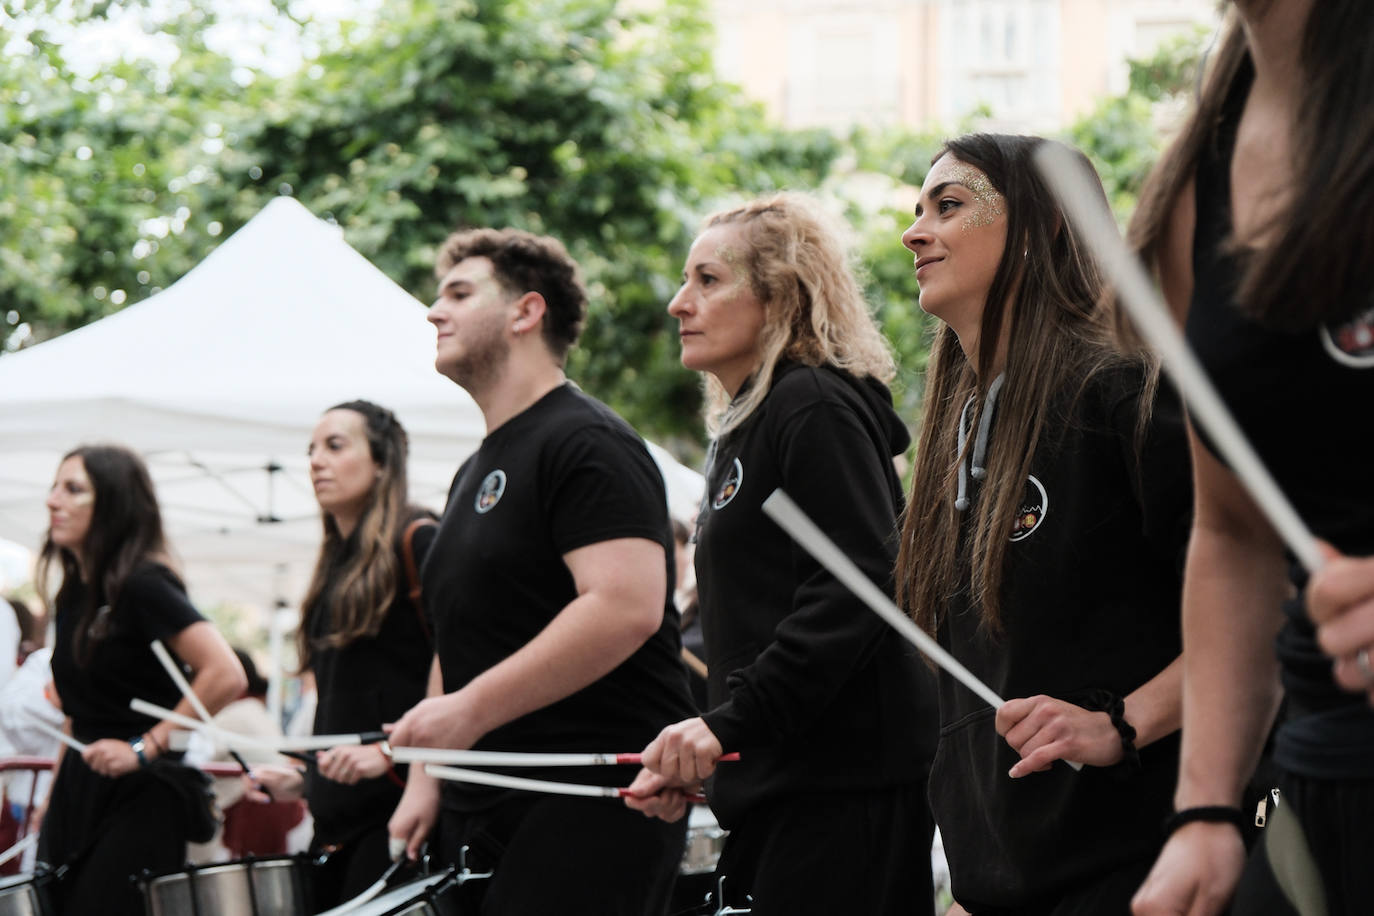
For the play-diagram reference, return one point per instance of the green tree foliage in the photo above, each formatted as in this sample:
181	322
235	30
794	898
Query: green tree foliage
1123	134
572	117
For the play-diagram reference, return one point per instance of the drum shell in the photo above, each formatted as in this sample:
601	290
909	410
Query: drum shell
22	895
248	887
428	896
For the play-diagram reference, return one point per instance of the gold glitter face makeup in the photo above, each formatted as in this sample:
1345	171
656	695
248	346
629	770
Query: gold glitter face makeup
988	202
734	259
71	503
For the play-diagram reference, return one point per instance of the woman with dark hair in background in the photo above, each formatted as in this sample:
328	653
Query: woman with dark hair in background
363	636
832	713
124	804
1260	223
1042	547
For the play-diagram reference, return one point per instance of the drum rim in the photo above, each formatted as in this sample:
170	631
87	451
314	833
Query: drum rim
215	869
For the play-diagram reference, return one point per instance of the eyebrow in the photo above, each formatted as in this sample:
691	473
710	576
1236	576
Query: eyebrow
453	286
937	191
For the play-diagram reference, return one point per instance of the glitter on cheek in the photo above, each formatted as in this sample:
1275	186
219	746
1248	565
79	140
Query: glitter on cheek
83	499
988	203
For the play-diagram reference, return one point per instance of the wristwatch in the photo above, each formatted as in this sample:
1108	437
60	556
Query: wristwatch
139	746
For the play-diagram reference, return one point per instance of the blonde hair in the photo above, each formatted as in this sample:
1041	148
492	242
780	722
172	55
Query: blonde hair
800	269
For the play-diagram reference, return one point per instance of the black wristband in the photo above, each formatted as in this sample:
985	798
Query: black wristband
1115	708
136	743
1211	814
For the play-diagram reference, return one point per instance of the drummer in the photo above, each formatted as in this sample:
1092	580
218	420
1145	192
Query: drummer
550	582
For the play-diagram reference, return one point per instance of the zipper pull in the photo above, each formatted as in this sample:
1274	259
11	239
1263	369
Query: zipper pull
1260	814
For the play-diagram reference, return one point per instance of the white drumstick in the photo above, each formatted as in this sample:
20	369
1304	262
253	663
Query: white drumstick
1071	183
789	516
517	758
238	741
174	671
18	848
454	774
60	735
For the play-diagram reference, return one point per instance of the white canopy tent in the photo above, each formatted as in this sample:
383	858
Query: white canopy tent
218	381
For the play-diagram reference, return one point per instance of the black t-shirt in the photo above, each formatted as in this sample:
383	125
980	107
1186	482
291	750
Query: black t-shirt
1303	399
1090	594
95	693
801	671
566	473
372	680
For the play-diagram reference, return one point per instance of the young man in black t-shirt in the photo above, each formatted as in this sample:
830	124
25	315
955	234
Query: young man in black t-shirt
550	582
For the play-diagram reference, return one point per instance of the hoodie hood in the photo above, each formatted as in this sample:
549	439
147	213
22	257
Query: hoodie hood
875	395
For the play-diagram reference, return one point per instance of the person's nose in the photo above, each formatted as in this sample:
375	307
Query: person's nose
915	235
678	306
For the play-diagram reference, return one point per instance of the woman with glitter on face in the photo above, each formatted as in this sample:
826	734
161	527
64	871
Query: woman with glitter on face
1042	546
832	714
124	804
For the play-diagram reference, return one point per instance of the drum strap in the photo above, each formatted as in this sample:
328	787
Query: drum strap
413	571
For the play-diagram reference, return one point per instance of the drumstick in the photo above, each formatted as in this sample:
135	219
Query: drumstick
60	735
696	664
174	671
377	887
18	848
517	758
789	516
1076	193
281	745
500	780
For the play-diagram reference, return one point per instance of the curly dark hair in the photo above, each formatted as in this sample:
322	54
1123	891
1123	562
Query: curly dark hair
524	262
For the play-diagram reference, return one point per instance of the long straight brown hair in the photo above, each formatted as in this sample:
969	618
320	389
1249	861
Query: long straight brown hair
125	533
1048	287
1323	233
357	601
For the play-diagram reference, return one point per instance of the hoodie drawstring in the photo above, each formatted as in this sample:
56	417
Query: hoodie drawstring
980	442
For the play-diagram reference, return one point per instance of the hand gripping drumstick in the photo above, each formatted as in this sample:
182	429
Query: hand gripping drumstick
1076	194
477	777
789	516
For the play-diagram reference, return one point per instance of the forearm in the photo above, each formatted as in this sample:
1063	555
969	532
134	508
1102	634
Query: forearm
1155	708
586	641
1233	592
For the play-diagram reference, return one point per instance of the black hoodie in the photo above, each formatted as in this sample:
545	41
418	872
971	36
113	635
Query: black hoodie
810	685
1090	601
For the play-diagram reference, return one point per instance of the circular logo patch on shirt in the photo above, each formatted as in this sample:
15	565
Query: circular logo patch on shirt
1034	505
729	488
489	494
1352	343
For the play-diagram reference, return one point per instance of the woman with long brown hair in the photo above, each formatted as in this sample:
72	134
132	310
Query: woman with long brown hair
833	715
125	803
1042	546
1260	222
364	639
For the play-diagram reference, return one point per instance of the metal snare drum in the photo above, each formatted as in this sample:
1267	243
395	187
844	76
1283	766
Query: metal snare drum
272	886
22	895
705	840
421	897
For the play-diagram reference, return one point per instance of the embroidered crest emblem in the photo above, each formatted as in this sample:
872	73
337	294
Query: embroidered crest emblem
730	486
1034	506
489	494
1352	343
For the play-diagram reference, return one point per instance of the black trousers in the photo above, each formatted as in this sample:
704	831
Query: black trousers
1107	894
1338	821
109	831
833	853
570	856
